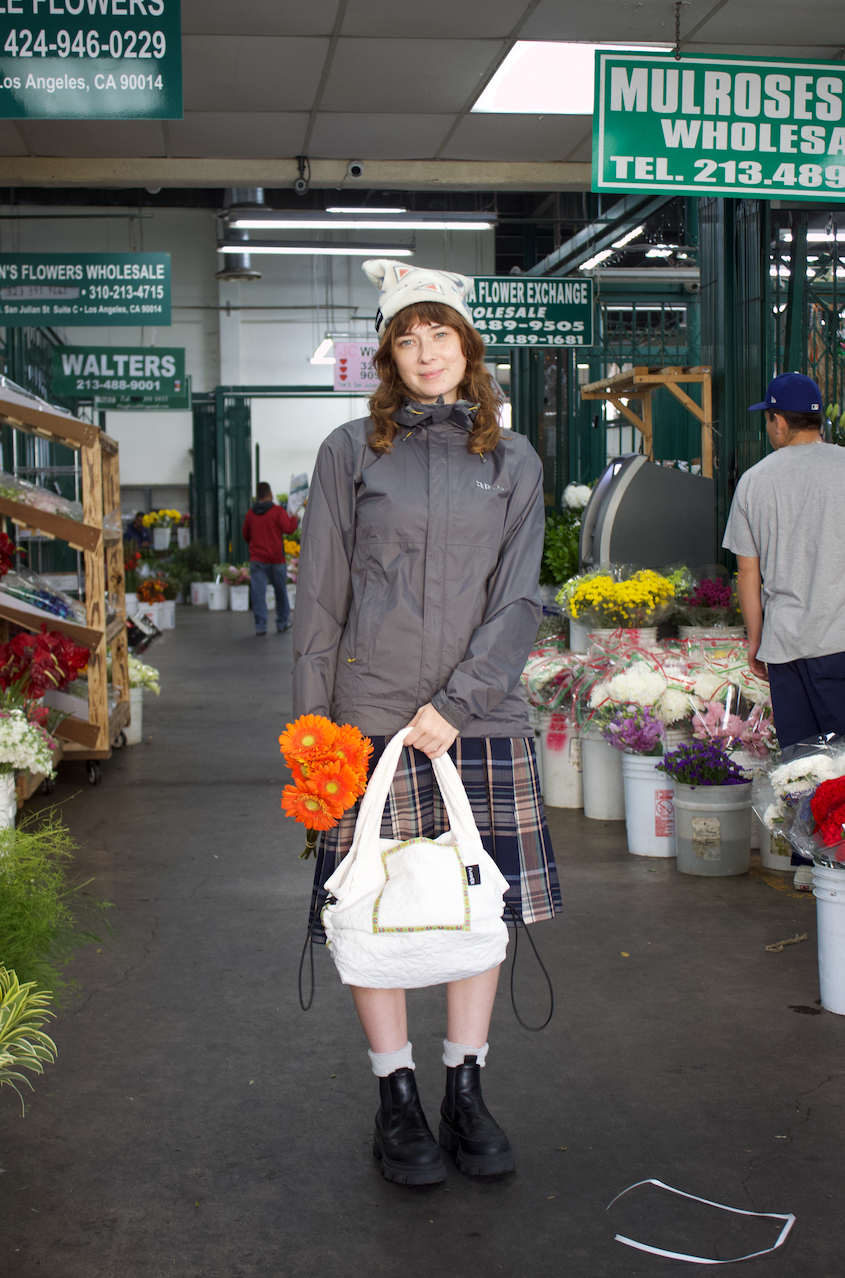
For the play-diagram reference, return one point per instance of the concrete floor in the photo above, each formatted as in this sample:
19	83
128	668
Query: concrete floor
198	1123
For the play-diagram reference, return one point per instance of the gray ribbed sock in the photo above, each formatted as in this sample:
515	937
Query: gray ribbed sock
454	1053
385	1063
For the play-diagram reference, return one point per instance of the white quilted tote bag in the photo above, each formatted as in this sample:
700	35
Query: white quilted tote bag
416	913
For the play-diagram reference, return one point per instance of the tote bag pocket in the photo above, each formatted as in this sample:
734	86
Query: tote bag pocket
425	889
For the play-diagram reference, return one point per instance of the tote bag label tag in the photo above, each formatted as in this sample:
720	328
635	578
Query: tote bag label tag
473	873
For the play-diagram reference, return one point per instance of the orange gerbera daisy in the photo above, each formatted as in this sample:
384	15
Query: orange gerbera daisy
310	735
336	783
354	749
309	809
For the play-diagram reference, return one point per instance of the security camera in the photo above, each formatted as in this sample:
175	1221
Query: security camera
300	186
355	170
692	286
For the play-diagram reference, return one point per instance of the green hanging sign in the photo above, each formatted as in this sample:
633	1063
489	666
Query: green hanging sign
524	310
90	60
129	377
719	125
84	290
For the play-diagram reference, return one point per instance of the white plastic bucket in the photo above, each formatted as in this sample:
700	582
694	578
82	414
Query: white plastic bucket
239	598
643	637
291	589
218	596
153	611
8	801
711	632
199	594
649	806
131	603
167	612
161	538
183	537
135	730
753	766
579	636
563	779
604	789
829	891
775	852
712	829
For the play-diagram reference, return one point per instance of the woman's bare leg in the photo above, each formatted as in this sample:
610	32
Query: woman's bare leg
469	1006
383	1016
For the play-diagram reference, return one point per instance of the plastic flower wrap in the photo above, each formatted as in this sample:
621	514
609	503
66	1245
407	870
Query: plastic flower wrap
805	798
644	681
14	489
709	599
31	665
140	674
329	766
34	590
551	676
25	746
642	599
232	574
713	721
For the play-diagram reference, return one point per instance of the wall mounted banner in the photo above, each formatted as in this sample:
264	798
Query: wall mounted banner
90	60
521	310
718	125
122	376
84	289
353	369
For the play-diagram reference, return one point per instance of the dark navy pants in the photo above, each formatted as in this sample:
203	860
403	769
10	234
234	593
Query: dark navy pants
808	697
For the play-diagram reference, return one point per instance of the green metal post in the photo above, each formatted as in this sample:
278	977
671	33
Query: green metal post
796	299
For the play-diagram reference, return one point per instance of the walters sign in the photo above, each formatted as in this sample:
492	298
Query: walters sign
90	60
122	376
723	125
84	290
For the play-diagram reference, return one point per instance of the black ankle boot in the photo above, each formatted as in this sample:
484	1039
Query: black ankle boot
403	1139
468	1128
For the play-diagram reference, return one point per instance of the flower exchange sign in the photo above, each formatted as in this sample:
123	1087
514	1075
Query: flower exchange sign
719	125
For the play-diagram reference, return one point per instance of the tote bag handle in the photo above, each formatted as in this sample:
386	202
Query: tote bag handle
368	825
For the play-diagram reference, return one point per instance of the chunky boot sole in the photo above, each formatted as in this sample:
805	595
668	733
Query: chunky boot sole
408	1174
476	1164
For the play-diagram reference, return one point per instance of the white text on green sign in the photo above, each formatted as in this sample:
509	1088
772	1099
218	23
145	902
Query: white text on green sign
84	289
523	311
90	59
128	371
718	124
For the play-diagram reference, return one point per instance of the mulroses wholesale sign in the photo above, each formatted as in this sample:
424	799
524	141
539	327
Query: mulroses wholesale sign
520	310
84	289
728	126
90	60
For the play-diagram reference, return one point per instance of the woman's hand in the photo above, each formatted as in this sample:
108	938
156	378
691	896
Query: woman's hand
433	734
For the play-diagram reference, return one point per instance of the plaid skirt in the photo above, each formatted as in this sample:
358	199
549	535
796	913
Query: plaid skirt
500	778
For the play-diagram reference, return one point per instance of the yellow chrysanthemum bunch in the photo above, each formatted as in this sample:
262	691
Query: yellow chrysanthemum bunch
162	518
291	548
640	601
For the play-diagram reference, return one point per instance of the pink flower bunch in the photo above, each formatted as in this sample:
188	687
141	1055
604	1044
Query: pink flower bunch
755	734
711	592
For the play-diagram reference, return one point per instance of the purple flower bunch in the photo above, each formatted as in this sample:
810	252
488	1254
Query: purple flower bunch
711	592
635	730
702	763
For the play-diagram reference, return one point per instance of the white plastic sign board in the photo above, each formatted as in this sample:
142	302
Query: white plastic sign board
353	369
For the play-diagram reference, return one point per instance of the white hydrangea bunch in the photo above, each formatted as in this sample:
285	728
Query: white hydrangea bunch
639	685
24	745
801	776
709	685
576	496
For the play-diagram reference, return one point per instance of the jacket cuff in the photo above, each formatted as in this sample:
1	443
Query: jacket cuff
450	710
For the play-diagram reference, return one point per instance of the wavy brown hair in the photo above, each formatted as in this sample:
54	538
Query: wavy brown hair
477	386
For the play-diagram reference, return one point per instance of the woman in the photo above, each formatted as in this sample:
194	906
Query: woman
417	602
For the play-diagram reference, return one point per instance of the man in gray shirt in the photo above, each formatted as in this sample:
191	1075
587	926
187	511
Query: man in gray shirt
787	529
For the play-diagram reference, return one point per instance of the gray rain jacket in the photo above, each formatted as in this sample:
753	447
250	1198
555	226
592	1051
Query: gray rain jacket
418	577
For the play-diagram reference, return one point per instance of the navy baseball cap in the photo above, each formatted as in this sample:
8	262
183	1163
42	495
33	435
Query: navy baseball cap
791	393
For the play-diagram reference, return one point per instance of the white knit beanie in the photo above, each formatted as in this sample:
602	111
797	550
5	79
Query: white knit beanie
400	286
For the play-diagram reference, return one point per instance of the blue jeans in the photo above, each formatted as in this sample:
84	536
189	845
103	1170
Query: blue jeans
260	576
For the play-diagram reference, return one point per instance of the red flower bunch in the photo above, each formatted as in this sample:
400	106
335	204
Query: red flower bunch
132	561
828	806
711	592
329	767
151	590
34	664
8	550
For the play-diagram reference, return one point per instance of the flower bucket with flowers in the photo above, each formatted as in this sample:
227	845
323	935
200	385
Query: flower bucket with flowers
706	604
162	522
607	603
712	806
550	680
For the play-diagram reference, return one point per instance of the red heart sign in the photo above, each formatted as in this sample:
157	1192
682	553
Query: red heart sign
343	377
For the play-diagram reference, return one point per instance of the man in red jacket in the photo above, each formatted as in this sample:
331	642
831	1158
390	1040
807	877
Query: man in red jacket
265	528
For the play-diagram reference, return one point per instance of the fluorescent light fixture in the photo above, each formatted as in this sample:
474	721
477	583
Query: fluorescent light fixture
626	239
363	211
310	248
321	353
248	222
549	77
503	365
660	252
582	365
813	237
594	261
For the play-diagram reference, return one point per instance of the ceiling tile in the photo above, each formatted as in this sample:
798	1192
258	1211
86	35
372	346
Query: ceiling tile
345	135
429	76
779	23
819	53
251	73
472	19
258	17
94	139
245	134
534	138
615	21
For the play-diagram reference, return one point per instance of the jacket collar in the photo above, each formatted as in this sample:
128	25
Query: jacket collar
461	414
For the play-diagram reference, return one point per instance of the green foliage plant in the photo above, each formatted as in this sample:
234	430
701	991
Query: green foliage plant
44	916
23	1043
194	562
560	547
